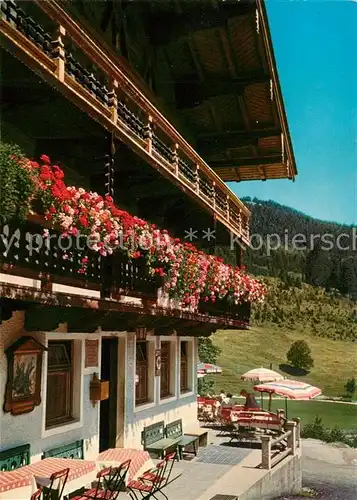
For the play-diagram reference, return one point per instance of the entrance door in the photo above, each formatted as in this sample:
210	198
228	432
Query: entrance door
108	408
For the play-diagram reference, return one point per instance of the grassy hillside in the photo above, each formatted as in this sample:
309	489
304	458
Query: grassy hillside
326	321
335	360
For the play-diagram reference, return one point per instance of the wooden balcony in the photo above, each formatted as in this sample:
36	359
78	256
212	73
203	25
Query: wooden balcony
47	271
72	62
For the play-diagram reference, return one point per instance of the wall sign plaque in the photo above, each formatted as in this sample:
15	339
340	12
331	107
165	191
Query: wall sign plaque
91	353
157	362
24	368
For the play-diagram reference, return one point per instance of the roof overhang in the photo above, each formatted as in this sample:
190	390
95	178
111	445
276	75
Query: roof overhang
227	86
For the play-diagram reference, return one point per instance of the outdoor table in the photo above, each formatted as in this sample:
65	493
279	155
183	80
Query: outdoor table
81	473
140	460
16	486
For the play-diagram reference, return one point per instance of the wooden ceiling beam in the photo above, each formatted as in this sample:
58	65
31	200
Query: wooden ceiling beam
227	51
195	58
244	110
222	141
246	162
255	134
166	26
197	92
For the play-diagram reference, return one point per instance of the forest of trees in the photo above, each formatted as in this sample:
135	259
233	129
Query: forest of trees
330	263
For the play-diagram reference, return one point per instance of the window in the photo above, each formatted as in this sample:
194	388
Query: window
59	397
165	370
184	367
141	391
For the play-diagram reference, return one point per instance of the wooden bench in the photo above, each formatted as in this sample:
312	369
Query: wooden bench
14	458
155	441
201	434
72	450
174	431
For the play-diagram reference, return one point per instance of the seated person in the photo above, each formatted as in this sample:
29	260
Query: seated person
227	400
222	395
250	401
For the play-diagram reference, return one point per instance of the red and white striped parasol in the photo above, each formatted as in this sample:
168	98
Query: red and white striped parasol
291	389
207	369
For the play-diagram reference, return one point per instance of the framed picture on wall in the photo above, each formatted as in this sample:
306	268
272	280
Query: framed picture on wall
24	371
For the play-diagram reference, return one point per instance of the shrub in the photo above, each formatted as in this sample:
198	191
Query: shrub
336	435
351	386
316	430
16	184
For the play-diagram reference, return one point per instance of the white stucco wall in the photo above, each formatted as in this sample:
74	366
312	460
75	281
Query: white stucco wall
29	428
170	409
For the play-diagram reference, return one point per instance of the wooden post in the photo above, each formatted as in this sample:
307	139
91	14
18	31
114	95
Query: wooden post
228	209
197	178
266	452
298	431
148	134
113	100
239	262
58	52
214	194
290	426
175	159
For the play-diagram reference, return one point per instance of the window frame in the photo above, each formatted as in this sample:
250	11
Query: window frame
165	365
184	366
143	366
67	370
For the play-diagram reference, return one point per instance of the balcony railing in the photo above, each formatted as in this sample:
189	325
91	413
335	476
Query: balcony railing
95	79
25	252
222	308
52	263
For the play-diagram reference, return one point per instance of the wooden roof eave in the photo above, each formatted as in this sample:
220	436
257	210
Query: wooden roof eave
262	12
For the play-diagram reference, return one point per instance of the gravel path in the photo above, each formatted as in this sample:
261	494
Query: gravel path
330	470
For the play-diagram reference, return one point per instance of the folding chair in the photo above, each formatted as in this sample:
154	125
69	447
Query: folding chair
58	481
152	481
161	473
109	484
37	494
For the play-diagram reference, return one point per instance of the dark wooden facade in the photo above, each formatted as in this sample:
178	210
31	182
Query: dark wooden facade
211	65
83	80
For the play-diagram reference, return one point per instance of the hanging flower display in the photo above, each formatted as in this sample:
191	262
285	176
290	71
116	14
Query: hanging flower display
190	275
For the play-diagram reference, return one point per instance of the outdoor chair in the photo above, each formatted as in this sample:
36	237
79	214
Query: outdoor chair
58	481
225	420
110	481
151	474
154	480
37	494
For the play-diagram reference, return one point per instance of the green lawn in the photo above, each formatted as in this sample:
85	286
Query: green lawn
332	414
335	360
343	416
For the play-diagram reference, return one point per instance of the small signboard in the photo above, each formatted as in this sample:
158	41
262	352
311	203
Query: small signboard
157	362
91	353
141	333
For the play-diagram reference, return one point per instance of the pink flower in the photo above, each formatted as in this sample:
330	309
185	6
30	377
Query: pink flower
45	159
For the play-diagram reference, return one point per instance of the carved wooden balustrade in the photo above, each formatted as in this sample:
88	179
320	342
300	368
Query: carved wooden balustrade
95	79
25	252
223	308
53	262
